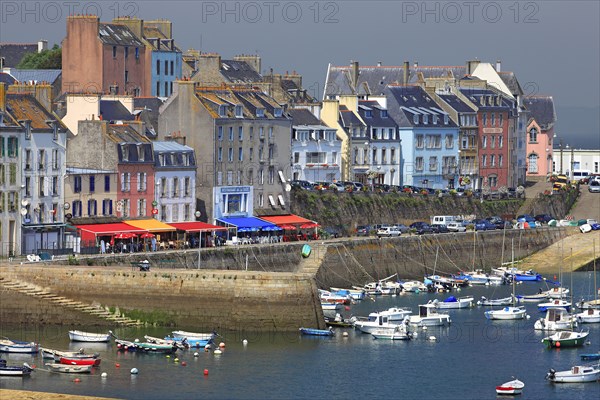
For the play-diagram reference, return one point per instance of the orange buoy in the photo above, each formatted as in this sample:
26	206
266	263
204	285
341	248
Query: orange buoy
183	363
205	372
557	344
347	308
77	380
117	365
221	344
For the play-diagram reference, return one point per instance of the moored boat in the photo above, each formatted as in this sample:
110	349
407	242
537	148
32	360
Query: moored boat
453	303
69	369
577	374
15	370
532	298
429	316
399	332
79	361
316	332
511	388
157	348
589	316
494	302
590	356
339	321
414	286
565	339
51	353
80	336
556	303
389	318
557	293
507	313
16	346
193	335
556	319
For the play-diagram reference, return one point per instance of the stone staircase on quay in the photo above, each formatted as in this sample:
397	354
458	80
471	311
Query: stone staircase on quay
312	263
60	301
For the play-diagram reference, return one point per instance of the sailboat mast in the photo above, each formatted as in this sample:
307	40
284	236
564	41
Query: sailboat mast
595	286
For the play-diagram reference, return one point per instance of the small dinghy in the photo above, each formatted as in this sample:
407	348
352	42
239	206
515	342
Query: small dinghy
495	302
15	370
80	336
69	369
16	346
94	362
512	388
317	332
52	354
590	356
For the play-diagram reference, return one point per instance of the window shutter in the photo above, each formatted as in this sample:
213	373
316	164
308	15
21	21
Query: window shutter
110	211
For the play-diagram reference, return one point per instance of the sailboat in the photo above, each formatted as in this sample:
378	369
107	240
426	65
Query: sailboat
509	312
591	315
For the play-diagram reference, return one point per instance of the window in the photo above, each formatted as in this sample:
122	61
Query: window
260	112
163	213
125	182
484	160
167	89
239	111
484	142
271	151
92	208
416	119
260	153
393	155
425	119
500	160
240	154
419	141
392	133
163	187
384	114
186	212
229	178
239	177
251	132
231	133
77	184
374	156
261	132
533	135
137	53
125	152
166	67
368	114
250	153
141	184
334	157
261	200
12	144
261	176
493	119
500	117
126	208
106	183
175	213
219	178
172	68
141	207
230	154
533	163
175	187
419	164
126	52
296	157
42	159
383	156
446	119
500	142
315	157
92	184
55	157
250	177
27	159
126	76
158	67
2	149
107	207
271	175
77	208
270	132
158	89
27	182
114	51
433	164
484	116
356	155
492	142
493	160
278	112
220	154
464	142
55	186
434	142
241	133
449	141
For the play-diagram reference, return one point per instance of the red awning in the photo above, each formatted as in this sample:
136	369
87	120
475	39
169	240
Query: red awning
287	227
90	232
289	219
309	225
196	227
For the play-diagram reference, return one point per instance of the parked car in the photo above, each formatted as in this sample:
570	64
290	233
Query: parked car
594	186
439	229
337	186
388	231
499	222
421	227
544	218
486	225
456	227
333	232
526	218
306	185
381	187
363	230
402	228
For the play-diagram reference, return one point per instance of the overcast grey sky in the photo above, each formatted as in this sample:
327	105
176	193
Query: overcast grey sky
552	46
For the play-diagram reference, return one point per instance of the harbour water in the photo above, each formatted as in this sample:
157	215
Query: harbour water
467	360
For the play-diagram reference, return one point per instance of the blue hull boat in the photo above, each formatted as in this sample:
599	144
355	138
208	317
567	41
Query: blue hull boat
197	343
527	277
591	356
316	332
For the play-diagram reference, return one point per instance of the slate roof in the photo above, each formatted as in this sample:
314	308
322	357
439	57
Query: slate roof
373	80
117	35
511	81
303	117
6	78
36	75
153	32
149	107
475	95
13	53
376	119
23	106
250	100
114	110
173	147
239	72
456	103
406	101
541	109
125	134
348	118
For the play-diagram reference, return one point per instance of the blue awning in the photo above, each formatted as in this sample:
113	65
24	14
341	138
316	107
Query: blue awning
248	224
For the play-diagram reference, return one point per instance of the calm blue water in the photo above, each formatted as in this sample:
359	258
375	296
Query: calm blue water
469	359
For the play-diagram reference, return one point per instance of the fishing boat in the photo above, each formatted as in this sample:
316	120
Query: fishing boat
80	336
389	318
556	319
125	345
577	374
590	356
527	276
511	388
79	361
339	321
189	343
589	316
495	302
50	353
429	316
565	339
334	297
556	303
414	286
453	303
317	332
16	346
69	369
399	332
15	370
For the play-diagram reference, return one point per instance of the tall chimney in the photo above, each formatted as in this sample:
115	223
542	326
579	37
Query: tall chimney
406	72
471	65
355	75
498	66
379	63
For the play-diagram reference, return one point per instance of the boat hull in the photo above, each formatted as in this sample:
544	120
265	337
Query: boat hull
80	361
69	369
14	346
316	332
556	341
508	313
79	336
577	374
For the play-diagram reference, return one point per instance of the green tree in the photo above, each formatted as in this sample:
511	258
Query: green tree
46	59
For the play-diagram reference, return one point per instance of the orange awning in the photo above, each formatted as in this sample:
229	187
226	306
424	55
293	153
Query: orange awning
289	219
151	225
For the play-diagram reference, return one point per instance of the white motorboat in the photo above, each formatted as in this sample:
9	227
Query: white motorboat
399	332
69	369
507	313
453	303
385	319
414	286
495	302
80	336
16	346
326	306
532	298
193	335
577	374
511	388
496	280
429	316
557	293
589	316
334	297
556	319
556	303
355	294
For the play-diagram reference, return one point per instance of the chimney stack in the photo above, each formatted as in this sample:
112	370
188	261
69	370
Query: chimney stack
379	63
42	45
406	71
416	65
355	74
498	66
2	97
471	65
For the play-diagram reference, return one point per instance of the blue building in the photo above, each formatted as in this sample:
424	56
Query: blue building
429	137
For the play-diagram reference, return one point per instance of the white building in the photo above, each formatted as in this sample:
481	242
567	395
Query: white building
574	161
316	149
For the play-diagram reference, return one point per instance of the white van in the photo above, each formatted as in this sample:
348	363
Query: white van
580	174
442	219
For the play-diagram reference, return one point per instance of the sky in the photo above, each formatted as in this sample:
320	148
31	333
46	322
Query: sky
552	46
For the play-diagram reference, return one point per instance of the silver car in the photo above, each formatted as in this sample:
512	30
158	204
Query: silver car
594	187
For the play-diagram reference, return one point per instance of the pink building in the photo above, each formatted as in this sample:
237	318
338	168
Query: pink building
540	133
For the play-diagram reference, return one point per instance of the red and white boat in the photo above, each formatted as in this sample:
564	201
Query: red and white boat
80	361
511	388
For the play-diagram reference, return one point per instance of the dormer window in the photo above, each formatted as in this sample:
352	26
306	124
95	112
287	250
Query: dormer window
222	111
446	119
434	119
416	119
161	159
260	112
278	112
368	114
239	112
140	151
384	114
425	119
125	152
